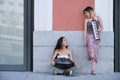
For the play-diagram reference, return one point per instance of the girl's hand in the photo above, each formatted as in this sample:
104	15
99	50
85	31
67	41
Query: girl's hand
53	63
75	63
100	29
85	43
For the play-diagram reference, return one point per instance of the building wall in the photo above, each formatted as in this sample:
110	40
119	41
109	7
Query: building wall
105	12
44	43
47	31
44	17
68	16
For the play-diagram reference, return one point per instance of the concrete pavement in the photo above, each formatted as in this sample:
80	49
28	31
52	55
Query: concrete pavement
48	76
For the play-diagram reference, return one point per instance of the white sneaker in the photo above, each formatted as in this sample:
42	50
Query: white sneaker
70	73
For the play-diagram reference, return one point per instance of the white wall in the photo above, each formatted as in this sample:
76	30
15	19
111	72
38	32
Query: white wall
104	9
43	15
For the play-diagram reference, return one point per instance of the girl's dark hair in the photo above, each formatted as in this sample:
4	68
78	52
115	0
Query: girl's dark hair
59	43
88	9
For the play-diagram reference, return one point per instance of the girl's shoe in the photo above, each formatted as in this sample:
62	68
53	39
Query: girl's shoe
93	73
56	73
68	73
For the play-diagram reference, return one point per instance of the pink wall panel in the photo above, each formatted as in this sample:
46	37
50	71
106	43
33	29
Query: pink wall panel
68	14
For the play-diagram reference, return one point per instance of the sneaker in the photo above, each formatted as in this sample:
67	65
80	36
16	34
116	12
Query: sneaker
68	73
54	72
